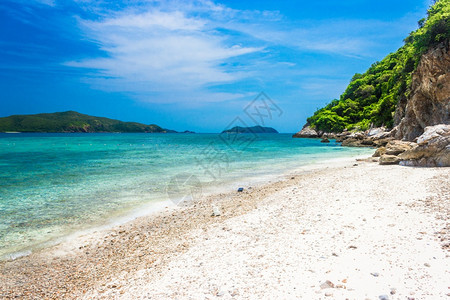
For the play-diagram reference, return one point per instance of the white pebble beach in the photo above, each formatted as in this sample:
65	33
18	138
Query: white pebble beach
348	230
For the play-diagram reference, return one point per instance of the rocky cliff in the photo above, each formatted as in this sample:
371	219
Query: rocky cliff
421	136
429	101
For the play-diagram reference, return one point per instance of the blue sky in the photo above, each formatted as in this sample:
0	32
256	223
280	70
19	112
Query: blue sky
191	64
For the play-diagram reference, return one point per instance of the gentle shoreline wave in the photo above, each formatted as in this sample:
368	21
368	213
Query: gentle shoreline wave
136	193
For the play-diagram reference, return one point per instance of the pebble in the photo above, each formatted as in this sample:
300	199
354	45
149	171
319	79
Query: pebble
216	212
383	297
375	274
327	285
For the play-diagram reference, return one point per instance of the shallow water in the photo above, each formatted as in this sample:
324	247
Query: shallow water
54	184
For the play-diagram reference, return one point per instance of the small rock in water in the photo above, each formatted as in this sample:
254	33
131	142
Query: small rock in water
216	211
240	189
327	285
383	297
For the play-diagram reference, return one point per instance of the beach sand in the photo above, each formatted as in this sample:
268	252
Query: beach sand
347	230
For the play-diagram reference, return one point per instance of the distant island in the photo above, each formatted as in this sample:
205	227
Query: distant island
72	121
254	129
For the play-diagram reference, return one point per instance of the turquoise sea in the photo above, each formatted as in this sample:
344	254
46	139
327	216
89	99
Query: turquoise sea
55	184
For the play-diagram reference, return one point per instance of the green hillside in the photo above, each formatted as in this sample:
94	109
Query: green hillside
371	98
254	129
71	121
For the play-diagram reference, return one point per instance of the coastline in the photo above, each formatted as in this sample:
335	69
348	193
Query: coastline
259	178
140	256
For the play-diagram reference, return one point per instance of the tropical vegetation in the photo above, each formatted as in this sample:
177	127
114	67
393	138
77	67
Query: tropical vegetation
371	98
71	121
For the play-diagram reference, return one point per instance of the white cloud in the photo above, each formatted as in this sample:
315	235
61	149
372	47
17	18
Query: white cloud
36	2
47	2
167	50
168	20
161	51
352	38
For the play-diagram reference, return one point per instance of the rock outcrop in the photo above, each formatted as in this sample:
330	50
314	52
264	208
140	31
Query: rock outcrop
375	137
429	101
432	149
306	132
352	142
398	147
389	155
379	152
376	132
387	159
